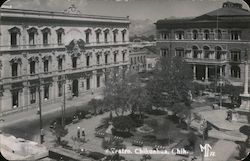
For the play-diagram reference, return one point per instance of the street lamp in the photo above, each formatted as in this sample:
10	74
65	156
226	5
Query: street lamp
221	83
203	127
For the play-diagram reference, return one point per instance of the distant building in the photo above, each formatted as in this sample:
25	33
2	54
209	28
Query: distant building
46	49
215	44
143	59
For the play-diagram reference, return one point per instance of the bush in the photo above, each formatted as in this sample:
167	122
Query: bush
124	134
149	138
123	123
96	155
138	120
81	114
156	112
108	144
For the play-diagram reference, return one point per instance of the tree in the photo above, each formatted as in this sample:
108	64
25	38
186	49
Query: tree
123	123
60	131
245	129
171	84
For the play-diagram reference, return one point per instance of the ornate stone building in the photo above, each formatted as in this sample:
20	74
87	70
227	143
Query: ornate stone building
215	44
47	49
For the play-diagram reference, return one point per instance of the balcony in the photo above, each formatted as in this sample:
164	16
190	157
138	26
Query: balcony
206	61
58	46
29	77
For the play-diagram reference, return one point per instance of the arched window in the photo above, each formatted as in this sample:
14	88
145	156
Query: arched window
195	52
98	33
235	71
195	34
219	35
32	32
124	35
218	52
206	52
46	32
14	31
206	35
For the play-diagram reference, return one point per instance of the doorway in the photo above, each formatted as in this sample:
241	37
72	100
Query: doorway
75	88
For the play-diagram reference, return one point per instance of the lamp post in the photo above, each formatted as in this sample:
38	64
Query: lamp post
203	127
221	83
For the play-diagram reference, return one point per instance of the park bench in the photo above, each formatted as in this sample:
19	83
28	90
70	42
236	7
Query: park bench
159	147
137	143
118	138
100	134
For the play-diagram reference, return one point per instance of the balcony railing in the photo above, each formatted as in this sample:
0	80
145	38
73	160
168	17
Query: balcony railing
60	72
206	61
49	46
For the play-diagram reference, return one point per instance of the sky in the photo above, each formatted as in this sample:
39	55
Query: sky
135	9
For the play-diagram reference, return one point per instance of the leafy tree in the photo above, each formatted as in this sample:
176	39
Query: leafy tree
171	84
60	131
123	123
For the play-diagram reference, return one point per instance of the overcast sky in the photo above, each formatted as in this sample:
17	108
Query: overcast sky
136	9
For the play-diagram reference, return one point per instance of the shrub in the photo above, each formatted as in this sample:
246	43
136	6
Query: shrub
156	112
123	123
124	134
96	155
149	138
138	120
108	144
115	157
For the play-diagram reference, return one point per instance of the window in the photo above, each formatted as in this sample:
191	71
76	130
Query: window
131	61
32	67
115	35
164	52
206	35
98	81
15	99
179	52
46	65
88	83
123	35
218	52
14	69
98	59
32	31
164	35
98	37
179	35
106	59
219	35
235	71
115	58
195	52
87	60
46	92
105	37
206	52
74	62
87	38
123	57
45	38
32	38
195	35
235	35
13	39
60	33
60	89
60	61
59	38
235	56
33	95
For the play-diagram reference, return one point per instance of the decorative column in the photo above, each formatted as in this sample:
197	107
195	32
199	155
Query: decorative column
220	71
206	73
194	72
243	113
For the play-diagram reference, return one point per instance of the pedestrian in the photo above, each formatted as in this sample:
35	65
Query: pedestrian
83	133
78	132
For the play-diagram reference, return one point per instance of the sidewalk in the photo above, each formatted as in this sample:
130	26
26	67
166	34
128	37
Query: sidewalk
31	114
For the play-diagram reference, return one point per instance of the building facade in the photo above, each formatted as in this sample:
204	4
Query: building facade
215	44
53	50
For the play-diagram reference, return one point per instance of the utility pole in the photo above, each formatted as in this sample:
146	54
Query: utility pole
64	101
40	112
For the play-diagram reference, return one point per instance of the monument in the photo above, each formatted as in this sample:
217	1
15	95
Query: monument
242	113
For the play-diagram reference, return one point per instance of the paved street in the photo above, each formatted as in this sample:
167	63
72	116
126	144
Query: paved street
26	124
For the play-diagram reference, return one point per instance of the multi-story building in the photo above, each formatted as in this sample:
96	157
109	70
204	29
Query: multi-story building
214	44
52	49
137	58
